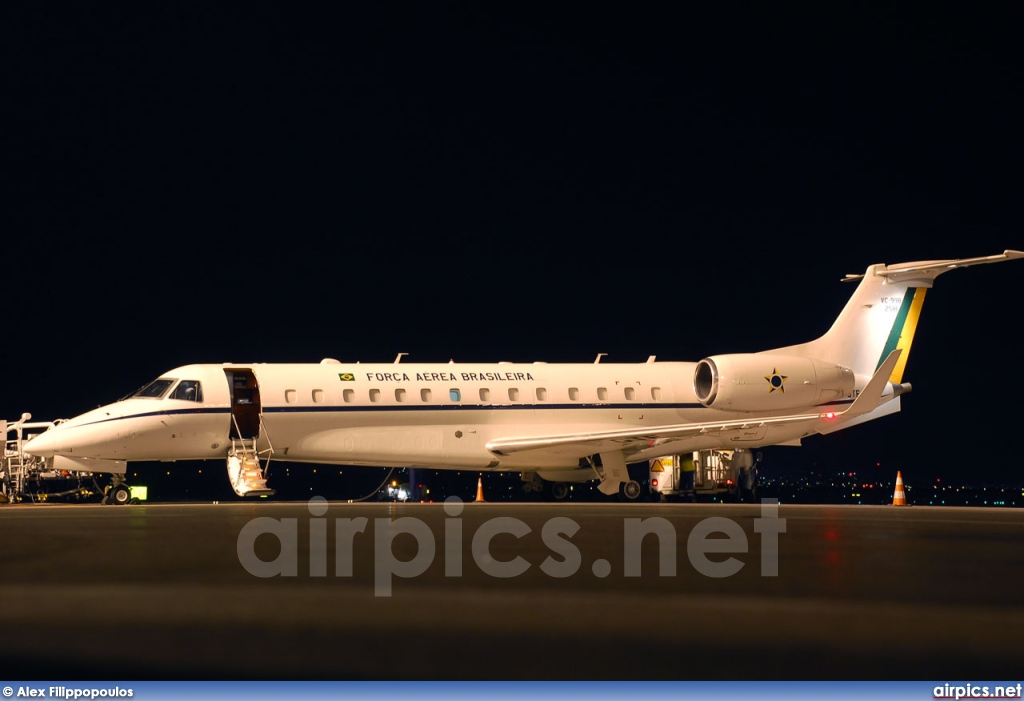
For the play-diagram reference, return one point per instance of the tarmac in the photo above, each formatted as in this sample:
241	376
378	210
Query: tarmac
499	591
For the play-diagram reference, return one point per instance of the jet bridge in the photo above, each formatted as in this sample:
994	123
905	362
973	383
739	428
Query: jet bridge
27	478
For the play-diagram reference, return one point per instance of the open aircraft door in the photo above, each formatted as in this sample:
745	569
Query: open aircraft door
245	404
246	475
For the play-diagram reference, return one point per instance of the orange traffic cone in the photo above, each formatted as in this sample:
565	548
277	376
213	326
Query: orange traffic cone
898	497
480	489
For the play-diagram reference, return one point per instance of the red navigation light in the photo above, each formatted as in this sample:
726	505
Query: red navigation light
830	415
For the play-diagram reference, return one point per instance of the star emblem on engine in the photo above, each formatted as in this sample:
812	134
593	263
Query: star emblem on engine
776	381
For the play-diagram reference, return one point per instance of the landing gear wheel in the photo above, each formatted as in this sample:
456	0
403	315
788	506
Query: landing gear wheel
119	494
534	485
630	491
559	491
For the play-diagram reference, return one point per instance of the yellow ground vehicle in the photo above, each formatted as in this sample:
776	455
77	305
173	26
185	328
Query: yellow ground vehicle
728	475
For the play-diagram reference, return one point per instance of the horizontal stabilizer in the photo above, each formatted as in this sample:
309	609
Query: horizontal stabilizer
931	269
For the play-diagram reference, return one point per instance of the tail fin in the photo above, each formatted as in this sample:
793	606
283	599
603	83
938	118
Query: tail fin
882	315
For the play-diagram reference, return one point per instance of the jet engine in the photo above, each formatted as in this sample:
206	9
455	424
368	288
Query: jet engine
763	382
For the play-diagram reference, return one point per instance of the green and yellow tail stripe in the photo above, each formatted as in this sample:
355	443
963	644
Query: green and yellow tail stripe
902	333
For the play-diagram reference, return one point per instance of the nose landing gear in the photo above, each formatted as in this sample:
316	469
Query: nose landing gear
118	493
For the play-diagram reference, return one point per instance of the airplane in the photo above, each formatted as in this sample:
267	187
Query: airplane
554	423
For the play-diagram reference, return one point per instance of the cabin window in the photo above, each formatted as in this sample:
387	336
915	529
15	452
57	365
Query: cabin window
574	394
485	394
189	390
656	393
400	395
602	394
425	395
630	394
290	396
348	396
542	394
374	395
513	394
455	395
318	396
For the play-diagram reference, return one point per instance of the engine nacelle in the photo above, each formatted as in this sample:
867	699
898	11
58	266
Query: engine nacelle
760	382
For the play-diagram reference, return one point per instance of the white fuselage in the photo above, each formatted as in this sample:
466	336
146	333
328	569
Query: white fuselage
398	414
548	418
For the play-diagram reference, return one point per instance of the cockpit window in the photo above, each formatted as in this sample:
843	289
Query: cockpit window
155	389
189	390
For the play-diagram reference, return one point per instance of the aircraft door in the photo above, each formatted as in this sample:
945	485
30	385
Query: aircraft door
245	404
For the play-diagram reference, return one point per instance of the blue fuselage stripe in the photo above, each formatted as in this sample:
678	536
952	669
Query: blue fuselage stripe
348	409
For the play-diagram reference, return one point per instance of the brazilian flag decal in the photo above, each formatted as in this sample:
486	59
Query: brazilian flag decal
902	333
346	377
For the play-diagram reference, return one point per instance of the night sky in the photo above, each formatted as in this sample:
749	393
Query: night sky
281	182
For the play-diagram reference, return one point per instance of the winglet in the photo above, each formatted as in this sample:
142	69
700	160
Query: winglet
870	397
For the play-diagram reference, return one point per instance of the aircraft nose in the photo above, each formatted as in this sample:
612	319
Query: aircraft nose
46	444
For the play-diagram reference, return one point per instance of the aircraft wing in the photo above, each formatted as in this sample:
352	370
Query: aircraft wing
634	440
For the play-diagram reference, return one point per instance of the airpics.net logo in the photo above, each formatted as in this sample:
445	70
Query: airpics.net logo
977	691
710	538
